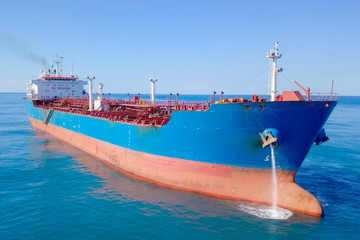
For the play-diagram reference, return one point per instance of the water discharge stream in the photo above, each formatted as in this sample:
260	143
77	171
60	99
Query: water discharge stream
272	212
274	181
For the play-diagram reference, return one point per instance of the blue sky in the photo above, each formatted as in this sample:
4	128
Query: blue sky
190	46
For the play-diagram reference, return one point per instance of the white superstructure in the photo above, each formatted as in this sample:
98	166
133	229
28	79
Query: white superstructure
51	85
100	103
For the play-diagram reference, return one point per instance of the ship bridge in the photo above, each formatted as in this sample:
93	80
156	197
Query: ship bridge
51	85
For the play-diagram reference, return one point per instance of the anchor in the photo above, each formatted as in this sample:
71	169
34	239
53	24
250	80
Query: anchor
268	138
321	137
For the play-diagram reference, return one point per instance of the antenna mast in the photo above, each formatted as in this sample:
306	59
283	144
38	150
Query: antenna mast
72	70
274	54
57	61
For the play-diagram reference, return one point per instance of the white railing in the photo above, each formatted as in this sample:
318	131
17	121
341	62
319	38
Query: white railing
324	96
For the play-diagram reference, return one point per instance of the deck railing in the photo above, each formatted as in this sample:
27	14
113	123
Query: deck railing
161	103
324	96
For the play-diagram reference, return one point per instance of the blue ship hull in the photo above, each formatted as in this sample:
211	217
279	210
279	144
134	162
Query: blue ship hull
225	134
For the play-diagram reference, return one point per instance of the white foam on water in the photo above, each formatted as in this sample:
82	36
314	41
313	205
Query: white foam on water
266	212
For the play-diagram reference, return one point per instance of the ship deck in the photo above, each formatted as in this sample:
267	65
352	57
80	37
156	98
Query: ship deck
146	113
139	112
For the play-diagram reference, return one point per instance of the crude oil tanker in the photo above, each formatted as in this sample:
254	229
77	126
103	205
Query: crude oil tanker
216	148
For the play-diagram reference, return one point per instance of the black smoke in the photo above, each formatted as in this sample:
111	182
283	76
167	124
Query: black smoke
15	46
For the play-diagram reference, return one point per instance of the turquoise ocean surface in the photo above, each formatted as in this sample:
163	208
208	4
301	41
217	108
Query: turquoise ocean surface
50	190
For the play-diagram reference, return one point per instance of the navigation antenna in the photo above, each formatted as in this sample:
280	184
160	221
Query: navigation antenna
72	70
274	54
57	61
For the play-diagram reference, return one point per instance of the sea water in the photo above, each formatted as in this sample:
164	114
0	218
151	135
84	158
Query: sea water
50	190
